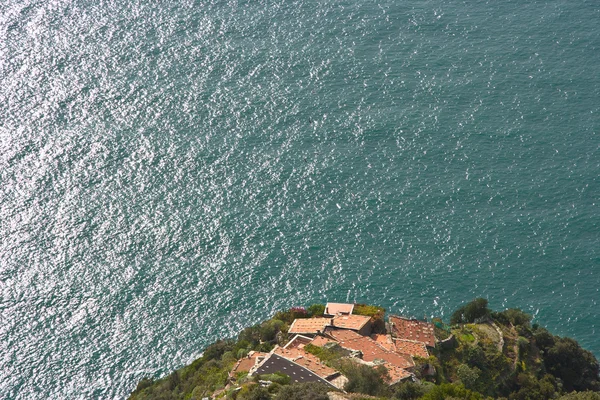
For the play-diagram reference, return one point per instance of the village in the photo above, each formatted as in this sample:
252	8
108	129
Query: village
366	340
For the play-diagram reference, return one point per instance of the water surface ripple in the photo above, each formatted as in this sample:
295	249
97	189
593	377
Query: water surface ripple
173	171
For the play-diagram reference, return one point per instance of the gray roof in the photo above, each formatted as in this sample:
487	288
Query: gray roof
297	373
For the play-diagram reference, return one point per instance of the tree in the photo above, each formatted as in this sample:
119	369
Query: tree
513	316
451	390
409	390
316	310
576	367
365	379
303	391
253	392
467	375
471	312
587	395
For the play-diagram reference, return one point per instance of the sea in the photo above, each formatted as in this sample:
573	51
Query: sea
173	171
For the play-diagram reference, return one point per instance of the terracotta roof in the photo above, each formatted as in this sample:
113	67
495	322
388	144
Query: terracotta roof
412	329
307	360
321	341
370	349
355	322
298	341
309	325
384	341
396	373
338	308
246	363
342	334
411	347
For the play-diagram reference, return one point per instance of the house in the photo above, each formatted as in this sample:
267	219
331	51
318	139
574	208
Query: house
412	329
414	348
309	326
397	374
333	309
247	363
300	366
402	346
358	323
298	341
321	341
371	351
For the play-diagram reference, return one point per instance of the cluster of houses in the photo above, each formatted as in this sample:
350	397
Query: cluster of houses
405	339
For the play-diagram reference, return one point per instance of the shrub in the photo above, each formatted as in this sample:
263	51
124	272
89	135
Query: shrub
376	313
471	312
290	315
543	339
316	310
576	367
523	345
143	384
268	330
216	350
451	390
253	392
468	376
326	354
304	391
409	390
365	379
587	395
369	311
276	377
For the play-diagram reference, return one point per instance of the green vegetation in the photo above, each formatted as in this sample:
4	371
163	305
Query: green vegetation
365	379
491	355
471	312
328	354
376	313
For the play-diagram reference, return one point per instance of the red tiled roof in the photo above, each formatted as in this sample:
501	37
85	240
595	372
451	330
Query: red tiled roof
396	373
412	329
342	334
321	341
411	347
309	325
370	349
307	360
338	308
246	363
298	341
384	341
355	322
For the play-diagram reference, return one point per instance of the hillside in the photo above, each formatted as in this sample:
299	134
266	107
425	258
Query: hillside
345	351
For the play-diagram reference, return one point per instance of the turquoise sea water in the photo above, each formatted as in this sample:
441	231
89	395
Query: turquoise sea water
173	171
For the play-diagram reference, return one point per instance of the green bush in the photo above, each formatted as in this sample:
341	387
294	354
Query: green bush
468	376
316	310
326	354
253	392
376	313
216	350
143	384
471	312
368	310
587	395
450	390
576	367
365	379
513	316
277	377
290	315
304	391
409	390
